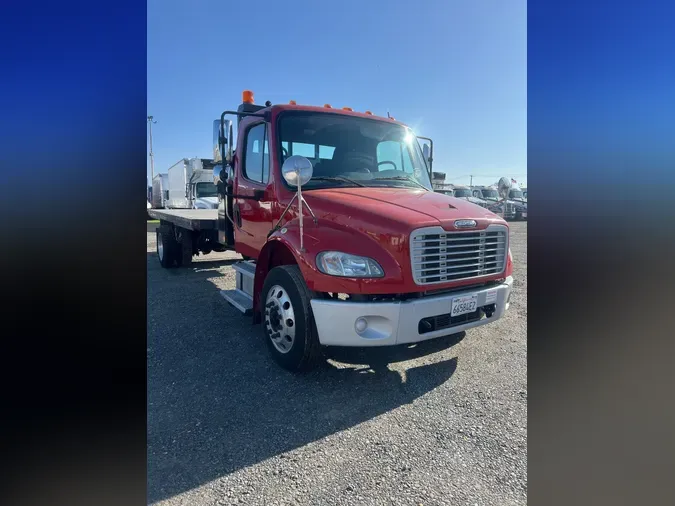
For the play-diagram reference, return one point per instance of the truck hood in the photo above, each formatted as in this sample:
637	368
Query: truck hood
398	207
206	203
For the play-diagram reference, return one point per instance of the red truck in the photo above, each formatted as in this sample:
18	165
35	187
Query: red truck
344	241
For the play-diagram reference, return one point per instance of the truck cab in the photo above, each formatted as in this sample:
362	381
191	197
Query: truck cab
189	185
464	192
517	198
202	193
494	202
344	241
518	195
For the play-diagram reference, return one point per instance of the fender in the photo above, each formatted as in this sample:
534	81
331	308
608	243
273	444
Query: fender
278	250
283	248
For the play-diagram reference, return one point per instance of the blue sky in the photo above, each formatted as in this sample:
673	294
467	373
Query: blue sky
455	71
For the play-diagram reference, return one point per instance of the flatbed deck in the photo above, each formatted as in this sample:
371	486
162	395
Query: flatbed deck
191	219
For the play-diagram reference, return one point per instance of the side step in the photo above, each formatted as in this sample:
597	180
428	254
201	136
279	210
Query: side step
238	299
242	296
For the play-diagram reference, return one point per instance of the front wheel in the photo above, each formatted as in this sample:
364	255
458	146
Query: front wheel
288	322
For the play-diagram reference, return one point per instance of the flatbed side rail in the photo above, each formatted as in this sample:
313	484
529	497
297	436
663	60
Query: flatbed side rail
190	219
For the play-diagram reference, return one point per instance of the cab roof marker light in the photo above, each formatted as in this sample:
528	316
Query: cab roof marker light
347	109
327	106
293	102
369	113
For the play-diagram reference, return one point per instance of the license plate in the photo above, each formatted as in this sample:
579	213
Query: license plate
463	305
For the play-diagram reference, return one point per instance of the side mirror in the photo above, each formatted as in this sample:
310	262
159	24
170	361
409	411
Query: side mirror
217	153
217	171
428	152
297	170
223	140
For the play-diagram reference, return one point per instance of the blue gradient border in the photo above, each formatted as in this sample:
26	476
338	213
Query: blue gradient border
601	172
72	161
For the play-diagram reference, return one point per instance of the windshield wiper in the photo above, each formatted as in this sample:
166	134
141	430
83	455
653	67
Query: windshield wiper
400	178
337	178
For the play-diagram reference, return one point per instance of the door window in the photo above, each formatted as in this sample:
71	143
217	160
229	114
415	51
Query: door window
257	157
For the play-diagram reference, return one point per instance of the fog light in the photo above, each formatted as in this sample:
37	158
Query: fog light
361	325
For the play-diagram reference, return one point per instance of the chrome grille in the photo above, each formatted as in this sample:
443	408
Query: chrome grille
438	256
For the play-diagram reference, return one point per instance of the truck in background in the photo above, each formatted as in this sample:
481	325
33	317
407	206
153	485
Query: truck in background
494	202
190	185
160	191
438	180
515	209
465	193
517	198
344	241
517	195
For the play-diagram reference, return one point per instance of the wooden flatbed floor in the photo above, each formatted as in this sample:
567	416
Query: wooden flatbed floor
191	219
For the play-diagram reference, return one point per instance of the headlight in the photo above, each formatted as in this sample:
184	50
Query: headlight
336	263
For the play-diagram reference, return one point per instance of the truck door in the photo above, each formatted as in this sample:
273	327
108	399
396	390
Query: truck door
253	218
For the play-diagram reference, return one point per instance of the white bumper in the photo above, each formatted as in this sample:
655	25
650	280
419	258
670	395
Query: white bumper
392	323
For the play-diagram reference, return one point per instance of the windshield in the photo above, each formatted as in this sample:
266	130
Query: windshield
462	193
372	153
206	190
515	194
490	194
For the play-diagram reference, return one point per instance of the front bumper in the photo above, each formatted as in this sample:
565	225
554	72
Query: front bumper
392	323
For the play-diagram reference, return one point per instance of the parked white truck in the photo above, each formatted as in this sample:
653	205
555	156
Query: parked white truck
464	192
160	191
190	185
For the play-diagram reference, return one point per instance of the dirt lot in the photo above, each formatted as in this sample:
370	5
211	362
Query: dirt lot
443	422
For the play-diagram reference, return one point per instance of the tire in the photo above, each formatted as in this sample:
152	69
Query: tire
166	249
287	313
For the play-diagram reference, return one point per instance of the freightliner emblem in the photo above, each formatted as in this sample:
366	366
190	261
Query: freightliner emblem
465	223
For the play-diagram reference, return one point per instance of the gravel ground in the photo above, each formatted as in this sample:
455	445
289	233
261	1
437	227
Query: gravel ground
444	422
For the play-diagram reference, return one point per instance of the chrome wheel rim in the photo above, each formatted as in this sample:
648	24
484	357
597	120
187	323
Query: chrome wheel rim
280	319
160	247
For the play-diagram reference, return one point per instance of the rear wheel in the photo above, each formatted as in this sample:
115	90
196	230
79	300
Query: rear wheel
166	249
288	322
